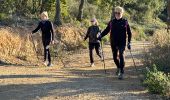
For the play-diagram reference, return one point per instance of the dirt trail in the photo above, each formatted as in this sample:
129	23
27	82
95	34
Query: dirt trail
76	81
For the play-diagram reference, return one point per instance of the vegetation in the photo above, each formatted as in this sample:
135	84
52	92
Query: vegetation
146	18
157	78
158	82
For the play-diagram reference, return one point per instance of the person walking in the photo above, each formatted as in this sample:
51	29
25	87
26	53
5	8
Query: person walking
47	30
92	34
119	30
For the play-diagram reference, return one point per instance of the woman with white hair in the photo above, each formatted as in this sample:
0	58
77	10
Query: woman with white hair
47	35
92	33
119	29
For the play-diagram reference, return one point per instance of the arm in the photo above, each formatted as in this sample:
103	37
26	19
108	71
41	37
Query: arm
87	34
129	33
106	31
52	31
38	27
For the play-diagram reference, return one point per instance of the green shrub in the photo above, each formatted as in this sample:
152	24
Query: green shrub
139	30
150	31
158	82
3	16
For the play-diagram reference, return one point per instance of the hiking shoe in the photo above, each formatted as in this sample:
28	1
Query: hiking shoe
118	71
120	76
92	65
50	65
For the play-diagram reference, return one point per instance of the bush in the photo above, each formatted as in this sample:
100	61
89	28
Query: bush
159	53
71	36
139	32
11	44
158	82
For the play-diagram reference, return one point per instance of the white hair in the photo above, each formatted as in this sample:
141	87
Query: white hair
45	13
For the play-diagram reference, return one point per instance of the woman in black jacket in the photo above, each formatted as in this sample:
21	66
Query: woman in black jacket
92	33
47	35
119	30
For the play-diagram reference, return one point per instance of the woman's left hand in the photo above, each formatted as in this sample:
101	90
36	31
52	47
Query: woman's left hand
52	42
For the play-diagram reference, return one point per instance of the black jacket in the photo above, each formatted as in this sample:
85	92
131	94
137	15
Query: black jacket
119	29
92	34
47	30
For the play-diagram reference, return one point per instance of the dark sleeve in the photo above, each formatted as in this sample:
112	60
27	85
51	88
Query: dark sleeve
38	27
87	34
106	31
52	30
128	32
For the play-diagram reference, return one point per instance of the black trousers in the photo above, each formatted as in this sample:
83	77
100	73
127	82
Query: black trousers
91	48
119	60
46	44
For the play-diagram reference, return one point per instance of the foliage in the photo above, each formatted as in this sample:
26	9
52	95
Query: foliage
158	82
137	10
159	54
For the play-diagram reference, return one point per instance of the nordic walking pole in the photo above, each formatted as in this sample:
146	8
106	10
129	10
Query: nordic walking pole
104	65
34	47
133	59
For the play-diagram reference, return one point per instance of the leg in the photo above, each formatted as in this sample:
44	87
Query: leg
121	57
91	47
48	51
49	56
45	51
98	50
115	53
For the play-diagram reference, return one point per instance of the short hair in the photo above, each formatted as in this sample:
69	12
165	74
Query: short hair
45	13
119	9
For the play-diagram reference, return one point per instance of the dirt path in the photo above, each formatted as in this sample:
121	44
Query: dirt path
77	81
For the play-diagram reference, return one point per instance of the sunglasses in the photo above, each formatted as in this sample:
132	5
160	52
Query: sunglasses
118	13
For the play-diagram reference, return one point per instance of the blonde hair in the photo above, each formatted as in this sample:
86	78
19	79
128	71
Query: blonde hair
45	13
119	9
95	20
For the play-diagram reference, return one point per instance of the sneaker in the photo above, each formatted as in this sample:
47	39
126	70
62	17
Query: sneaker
101	58
50	65
118	71
92	65
45	63
120	76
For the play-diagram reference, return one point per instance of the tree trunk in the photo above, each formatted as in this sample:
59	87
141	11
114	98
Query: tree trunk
168	12
33	6
58	14
113	15
80	13
42	6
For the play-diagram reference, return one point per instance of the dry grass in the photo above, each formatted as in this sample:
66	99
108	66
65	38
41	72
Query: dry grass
72	37
12	44
159	54
17	43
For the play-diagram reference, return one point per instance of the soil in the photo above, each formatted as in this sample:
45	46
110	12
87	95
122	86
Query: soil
77	80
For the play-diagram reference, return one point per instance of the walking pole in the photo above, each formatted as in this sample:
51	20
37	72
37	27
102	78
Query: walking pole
104	65
133	59
34	47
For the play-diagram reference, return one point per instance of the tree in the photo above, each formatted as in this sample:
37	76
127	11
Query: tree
58	14
168	19
43	5
80	13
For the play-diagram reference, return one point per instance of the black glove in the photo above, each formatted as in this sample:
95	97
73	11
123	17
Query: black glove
129	46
